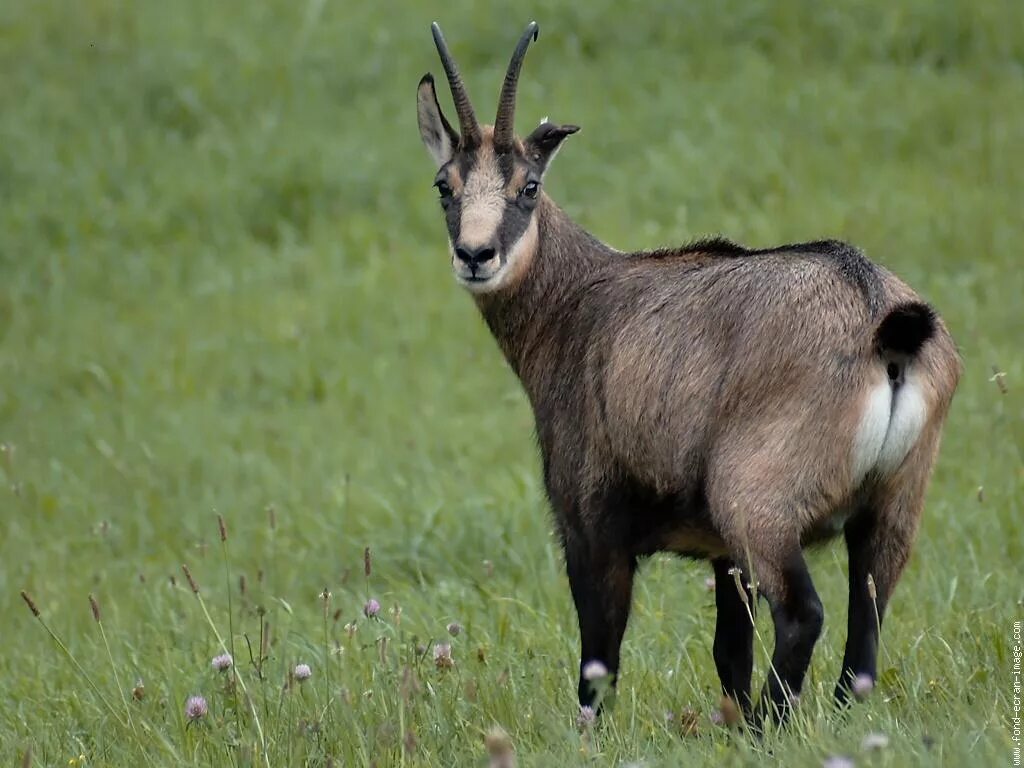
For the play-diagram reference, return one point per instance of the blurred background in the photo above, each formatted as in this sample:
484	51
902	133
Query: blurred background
224	288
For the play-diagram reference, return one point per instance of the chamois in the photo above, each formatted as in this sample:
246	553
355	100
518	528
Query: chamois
710	400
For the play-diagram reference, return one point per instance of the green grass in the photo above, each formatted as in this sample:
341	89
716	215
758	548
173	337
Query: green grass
224	288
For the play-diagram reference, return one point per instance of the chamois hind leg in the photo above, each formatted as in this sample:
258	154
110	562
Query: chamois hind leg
879	540
798	617
734	635
769	553
758	504
601	580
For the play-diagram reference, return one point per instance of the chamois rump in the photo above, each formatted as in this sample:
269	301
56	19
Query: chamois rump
711	400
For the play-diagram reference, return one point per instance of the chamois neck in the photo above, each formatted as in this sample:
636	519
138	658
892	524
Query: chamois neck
566	260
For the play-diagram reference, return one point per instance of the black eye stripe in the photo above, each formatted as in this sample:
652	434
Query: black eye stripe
514	221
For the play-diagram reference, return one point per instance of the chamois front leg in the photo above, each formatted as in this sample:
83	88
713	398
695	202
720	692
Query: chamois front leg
734	636
601	580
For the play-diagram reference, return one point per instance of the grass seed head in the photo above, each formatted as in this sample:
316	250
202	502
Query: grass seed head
737	576
689	722
191	582
999	377
30	603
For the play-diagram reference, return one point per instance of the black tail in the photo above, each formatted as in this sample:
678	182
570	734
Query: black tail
906	328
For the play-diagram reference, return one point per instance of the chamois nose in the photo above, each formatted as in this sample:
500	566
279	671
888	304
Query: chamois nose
474	257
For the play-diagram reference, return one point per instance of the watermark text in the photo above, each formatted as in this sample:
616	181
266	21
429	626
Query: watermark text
1015	691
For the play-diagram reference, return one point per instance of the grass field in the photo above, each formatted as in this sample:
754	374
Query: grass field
224	290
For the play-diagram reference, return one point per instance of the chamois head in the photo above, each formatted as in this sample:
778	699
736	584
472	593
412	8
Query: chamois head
489	181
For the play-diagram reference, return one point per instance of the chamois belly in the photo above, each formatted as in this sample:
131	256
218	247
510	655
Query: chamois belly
677	521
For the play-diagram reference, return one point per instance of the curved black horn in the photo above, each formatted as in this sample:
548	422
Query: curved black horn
467	119
504	122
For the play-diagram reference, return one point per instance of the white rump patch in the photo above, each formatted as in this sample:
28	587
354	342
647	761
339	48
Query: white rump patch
889	427
874	424
909	414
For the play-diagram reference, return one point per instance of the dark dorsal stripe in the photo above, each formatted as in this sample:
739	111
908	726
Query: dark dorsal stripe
849	261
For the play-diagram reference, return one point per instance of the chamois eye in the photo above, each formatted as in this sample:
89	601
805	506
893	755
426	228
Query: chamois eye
443	189
530	190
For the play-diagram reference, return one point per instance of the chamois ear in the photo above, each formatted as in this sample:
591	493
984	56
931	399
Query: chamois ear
437	133
542	145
